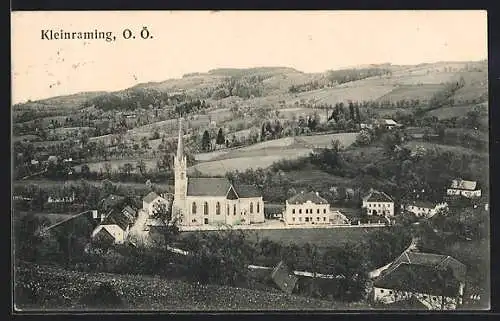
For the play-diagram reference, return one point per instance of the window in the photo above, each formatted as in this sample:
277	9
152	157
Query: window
369	205
258	207
317	218
293	211
300	219
307	211
205	208
390	292
307	219
434	299
234	209
217	208
251	207
324	219
293	219
300	211
381	291
193	208
317	211
425	296
227	210
324	211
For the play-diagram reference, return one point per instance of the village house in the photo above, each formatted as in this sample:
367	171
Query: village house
460	187
424	208
151	201
62	199
212	201
378	203
307	208
436	281
117	223
388	124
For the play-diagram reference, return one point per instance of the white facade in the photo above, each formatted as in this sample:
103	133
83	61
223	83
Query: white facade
432	302
462	192
307	213
213	210
425	211
149	207
379	208
118	234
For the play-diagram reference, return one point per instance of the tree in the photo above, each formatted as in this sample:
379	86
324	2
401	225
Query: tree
363	138
127	169
205	141
144	143
85	170
220	137
141	166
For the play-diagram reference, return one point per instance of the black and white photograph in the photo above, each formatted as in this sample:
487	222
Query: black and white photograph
250	161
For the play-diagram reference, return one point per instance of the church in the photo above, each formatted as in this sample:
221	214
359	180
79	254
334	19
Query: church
212	201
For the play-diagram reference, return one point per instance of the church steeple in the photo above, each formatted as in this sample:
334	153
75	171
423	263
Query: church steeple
180	143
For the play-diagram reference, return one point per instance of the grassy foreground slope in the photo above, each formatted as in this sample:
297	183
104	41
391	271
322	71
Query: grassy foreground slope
63	290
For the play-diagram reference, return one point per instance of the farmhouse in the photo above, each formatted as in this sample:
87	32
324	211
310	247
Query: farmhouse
460	187
424	208
435	281
388	124
307	208
117	224
378	203
202	201
64	199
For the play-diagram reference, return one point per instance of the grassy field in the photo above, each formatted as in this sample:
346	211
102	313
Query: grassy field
428	146
147	293
450	112
422	93
320	237
339	94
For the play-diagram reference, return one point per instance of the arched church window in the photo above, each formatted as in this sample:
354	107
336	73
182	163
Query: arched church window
205	208
258	207
193	208
251	207
234	209
217	208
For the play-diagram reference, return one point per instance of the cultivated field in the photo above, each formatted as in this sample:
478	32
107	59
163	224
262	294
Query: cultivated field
262	155
423	93
344	94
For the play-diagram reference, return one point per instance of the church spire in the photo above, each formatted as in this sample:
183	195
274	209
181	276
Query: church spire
180	144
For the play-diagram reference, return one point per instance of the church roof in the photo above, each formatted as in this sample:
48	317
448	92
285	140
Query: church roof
245	191
302	197
210	186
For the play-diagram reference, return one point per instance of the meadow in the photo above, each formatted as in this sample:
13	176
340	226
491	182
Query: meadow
320	237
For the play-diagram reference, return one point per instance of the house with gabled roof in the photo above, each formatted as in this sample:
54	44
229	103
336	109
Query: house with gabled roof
436	281
378	203
116	223
212	200
460	187
307	208
427	209
151	201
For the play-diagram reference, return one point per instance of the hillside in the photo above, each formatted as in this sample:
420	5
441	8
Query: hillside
57	288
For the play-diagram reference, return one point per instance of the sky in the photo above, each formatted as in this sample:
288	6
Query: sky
197	41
